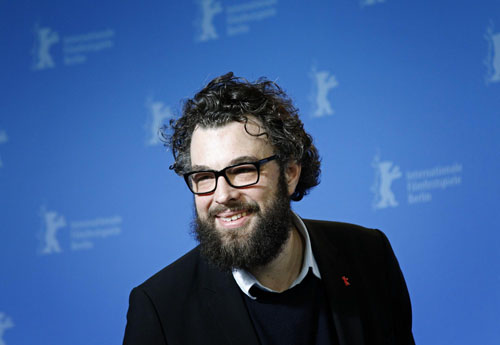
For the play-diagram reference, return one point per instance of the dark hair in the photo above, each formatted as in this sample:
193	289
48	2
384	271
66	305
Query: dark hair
228	98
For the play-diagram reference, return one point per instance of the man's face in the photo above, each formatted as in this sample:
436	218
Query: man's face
241	227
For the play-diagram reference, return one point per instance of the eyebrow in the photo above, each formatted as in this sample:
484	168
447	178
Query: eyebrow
238	160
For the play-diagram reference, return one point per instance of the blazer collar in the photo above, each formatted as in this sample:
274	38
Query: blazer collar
227	308
339	282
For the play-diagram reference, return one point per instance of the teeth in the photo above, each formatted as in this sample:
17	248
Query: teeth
233	218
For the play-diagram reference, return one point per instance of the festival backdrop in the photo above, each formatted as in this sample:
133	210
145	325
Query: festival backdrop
402	99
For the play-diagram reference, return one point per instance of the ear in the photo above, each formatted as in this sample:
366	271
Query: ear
292	175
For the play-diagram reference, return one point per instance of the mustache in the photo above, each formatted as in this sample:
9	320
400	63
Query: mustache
233	207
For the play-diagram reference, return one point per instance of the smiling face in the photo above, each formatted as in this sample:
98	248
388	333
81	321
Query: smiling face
241	227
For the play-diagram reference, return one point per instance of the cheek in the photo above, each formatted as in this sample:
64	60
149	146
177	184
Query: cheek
202	204
262	197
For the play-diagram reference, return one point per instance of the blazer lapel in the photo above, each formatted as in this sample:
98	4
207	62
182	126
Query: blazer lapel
227	307
340	285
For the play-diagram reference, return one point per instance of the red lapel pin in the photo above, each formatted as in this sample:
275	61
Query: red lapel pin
346	280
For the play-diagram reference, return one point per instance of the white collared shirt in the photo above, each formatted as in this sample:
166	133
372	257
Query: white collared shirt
246	280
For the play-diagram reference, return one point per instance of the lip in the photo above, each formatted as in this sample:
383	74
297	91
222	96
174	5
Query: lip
233	223
228	214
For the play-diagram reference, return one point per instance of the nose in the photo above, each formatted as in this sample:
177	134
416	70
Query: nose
224	192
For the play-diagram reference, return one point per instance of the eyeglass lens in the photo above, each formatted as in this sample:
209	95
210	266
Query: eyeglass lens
238	176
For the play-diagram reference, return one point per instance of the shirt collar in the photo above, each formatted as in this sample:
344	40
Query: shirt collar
246	280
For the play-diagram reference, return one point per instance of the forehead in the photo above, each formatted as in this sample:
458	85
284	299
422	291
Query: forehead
218	147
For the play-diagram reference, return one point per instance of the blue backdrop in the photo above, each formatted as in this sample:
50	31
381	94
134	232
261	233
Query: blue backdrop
402	98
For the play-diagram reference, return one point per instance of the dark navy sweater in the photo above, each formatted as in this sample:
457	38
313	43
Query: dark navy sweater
300	315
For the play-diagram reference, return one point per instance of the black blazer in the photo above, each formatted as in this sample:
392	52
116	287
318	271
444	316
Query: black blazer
189	302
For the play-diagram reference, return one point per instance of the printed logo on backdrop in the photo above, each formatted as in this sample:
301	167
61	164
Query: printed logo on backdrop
238	18
50	49
80	234
364	3
385	173
3	139
52	223
421	184
158	114
323	83
45	38
5	324
492	60
208	10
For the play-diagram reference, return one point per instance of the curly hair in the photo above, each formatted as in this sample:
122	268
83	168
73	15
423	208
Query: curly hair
228	98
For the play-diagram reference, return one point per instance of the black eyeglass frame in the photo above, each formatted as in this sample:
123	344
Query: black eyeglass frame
223	173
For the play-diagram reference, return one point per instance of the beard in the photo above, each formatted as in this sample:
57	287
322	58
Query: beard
248	246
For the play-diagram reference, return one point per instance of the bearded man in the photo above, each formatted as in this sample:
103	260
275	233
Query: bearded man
261	274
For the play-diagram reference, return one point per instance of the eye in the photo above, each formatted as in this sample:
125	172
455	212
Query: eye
202	176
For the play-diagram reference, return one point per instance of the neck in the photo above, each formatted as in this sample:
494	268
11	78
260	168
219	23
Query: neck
280	273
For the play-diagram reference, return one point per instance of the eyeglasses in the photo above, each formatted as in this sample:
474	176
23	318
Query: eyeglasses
237	176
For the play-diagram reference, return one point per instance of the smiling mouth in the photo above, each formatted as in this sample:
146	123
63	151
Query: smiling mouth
233	217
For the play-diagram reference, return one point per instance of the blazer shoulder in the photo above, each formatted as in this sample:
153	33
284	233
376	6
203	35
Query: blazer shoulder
341	230
175	276
347	238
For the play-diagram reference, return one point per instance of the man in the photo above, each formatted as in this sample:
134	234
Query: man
261	274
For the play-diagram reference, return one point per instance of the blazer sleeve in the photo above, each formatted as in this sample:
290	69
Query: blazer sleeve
143	324
400	299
